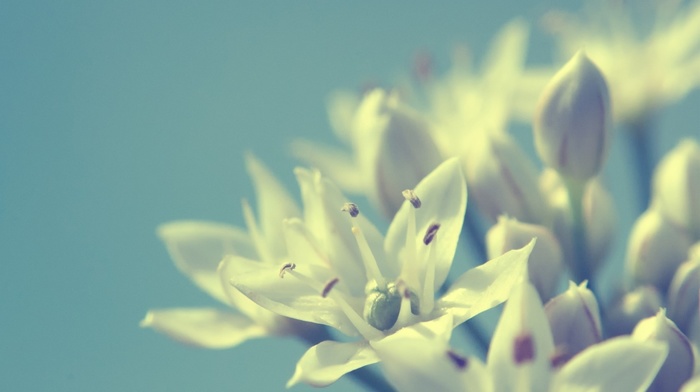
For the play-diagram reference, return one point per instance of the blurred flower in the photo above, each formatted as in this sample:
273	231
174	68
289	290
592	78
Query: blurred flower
683	294
520	358
545	265
676	186
631	308
392	148
502	179
198	247
648	63
343	273
572	120
574	319
680	363
655	249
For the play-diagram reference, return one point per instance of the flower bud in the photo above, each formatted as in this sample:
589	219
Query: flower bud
575	320
502	179
598	214
399	147
572	120
545	263
676	186
632	307
683	294
679	364
655	250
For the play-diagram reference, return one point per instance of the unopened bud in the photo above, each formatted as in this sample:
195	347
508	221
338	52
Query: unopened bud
598	214
545	264
683	294
676	186
400	147
679	364
572	120
502	179
574	319
655	250
631	308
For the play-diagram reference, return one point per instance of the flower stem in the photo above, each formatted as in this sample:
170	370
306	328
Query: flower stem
641	147
364	376
580	264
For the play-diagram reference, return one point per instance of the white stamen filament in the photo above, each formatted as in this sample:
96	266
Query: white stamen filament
255	235
428	297
371	268
366	330
405	314
410	268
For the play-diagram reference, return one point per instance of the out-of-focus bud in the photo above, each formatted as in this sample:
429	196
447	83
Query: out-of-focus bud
598	214
655	249
575	320
631	308
403	151
676	186
572	120
683	294
502	179
679	364
545	263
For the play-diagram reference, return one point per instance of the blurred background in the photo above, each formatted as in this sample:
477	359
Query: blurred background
118	116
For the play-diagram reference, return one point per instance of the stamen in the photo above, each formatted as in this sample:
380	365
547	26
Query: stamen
287	267
428	297
523	349
410	267
371	268
430	233
459	361
366	330
351	208
411	196
329	287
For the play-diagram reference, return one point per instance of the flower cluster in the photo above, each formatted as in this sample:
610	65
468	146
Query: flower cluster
322	272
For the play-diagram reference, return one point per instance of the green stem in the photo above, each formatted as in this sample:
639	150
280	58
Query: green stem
641	147
580	264
364	376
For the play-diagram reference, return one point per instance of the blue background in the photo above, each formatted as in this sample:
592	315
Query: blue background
117	117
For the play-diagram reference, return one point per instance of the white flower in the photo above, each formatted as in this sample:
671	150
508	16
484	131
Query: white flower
343	273
197	248
647	66
522	357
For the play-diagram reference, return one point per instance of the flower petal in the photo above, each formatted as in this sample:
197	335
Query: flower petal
326	362
286	296
274	204
618	364
523	321
203	327
413	362
486	286
336	163
197	248
443	195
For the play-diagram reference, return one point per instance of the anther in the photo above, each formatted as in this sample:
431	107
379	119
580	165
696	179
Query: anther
329	286
430	233
351	208
523	349
459	361
411	196
287	267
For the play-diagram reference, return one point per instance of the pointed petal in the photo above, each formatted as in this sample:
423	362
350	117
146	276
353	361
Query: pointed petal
203	327
413	362
506	55
523	318
487	285
443	195
335	163
287	296
197	248
274	204
618	364
326	362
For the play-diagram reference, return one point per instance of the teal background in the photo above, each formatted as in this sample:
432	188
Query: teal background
118	116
